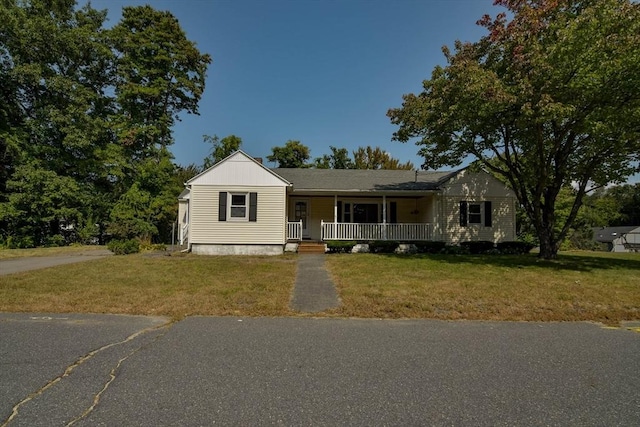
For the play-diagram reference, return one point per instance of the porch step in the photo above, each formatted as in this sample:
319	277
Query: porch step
311	248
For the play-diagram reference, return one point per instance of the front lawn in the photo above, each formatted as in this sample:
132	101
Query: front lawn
592	286
595	286
174	286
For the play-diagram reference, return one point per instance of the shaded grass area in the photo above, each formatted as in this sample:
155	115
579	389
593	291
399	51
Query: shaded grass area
174	286
54	251
590	286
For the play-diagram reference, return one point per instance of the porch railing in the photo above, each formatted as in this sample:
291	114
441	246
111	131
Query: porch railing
358	231
294	230
184	234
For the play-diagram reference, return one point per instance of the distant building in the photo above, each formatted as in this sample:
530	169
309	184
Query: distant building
619	239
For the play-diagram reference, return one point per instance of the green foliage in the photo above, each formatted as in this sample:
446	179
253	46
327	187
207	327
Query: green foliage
340	246
549	98
131	215
376	158
478	247
383	246
220	148
85	114
153	247
19	242
338	159
159	73
124	247
293	154
455	250
429	247
55	241
627	199
514	248
363	158
88	233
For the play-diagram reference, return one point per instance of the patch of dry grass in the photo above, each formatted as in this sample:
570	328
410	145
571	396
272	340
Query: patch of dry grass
579	286
40	252
173	286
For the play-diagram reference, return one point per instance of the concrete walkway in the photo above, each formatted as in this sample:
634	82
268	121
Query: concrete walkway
314	291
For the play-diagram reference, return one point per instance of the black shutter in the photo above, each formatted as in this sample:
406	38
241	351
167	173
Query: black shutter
393	215
222	207
487	214
463	214
253	207
339	211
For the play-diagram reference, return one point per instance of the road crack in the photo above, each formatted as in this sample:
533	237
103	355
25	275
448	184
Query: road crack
16	409
113	375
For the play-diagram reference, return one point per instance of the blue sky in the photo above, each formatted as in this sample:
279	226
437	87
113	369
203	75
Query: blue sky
323	72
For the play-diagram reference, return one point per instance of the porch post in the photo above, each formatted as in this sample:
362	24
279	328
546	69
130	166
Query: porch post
384	208
335	208
384	217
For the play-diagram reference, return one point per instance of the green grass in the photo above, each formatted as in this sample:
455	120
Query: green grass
586	286
175	286
590	286
40	252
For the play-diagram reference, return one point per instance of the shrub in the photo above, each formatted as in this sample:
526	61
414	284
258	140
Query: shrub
148	247
340	246
515	248
54	241
478	247
20	242
383	246
124	247
454	250
429	247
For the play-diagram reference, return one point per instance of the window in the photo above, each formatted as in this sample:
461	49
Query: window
366	213
238	206
474	213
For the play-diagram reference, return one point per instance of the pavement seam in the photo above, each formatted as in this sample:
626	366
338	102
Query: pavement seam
112	375
16	409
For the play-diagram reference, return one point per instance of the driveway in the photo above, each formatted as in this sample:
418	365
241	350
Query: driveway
305	371
17	265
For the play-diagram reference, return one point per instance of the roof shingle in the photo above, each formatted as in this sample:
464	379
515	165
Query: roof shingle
362	180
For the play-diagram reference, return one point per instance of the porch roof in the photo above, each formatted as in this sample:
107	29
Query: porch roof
361	180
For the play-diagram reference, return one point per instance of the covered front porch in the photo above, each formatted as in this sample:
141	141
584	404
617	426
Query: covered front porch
362	218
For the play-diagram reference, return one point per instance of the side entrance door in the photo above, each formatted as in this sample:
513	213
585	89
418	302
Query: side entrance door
301	212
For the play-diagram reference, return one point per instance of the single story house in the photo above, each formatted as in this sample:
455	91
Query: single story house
619	239
239	206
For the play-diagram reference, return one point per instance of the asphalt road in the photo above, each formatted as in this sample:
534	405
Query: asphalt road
304	371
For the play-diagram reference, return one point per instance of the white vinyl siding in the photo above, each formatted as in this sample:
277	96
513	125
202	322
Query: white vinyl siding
475	189
502	224
269	228
238	169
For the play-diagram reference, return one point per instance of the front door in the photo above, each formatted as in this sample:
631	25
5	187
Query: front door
301	213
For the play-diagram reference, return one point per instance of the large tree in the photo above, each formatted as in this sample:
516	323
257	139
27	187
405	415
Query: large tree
293	154
375	158
338	159
220	148
550	98
53	111
86	117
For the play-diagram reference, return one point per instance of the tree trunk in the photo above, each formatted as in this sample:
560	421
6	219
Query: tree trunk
548	247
